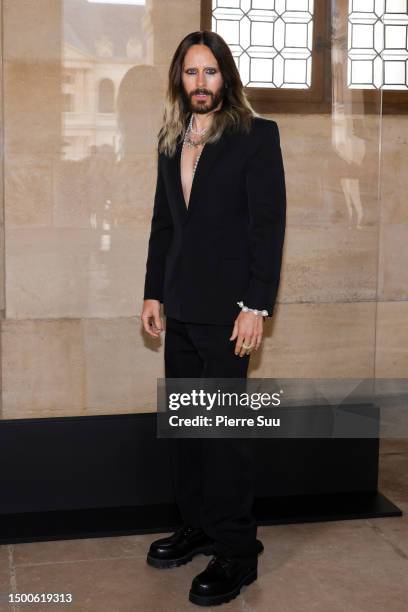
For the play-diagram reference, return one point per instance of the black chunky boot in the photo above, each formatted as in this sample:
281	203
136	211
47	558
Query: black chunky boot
221	581
179	548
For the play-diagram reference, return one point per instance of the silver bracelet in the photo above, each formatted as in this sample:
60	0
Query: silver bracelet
244	308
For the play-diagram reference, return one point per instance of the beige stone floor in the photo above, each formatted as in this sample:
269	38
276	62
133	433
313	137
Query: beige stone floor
353	566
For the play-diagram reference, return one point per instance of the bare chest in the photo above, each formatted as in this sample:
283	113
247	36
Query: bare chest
189	156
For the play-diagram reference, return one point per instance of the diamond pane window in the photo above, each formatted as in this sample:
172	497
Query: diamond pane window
270	40
378	44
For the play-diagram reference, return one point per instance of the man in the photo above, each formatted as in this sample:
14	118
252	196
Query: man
214	260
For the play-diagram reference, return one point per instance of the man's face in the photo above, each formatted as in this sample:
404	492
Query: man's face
201	75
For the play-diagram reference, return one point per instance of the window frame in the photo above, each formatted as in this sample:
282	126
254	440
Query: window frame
366	100
319	97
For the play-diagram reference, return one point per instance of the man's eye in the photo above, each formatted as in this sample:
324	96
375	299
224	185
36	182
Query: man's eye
192	71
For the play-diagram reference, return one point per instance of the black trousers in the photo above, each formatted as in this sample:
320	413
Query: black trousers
213	478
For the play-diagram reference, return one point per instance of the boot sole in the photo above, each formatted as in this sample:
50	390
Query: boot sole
214	600
168	563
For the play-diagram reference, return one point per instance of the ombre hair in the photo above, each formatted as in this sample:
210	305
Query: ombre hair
235	113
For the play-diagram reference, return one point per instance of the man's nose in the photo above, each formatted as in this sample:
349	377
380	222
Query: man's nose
200	79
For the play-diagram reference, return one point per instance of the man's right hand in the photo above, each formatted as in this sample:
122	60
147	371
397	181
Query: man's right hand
152	322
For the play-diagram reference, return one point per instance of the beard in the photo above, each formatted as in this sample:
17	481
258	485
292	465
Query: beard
202	107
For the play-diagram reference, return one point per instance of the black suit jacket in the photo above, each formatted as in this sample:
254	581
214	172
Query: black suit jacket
227	245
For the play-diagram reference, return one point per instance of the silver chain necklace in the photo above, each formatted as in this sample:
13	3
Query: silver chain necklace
187	141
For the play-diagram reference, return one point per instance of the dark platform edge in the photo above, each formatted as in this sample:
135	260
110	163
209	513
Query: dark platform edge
162	518
107	475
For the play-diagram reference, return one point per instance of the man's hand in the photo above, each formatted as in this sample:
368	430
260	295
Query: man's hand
248	329
151	319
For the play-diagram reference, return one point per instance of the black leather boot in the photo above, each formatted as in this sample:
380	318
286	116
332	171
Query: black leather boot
221	581
179	548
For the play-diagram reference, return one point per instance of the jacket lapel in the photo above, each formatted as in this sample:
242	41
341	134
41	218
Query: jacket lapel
209	156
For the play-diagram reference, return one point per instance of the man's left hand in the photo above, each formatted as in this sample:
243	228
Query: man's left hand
248	329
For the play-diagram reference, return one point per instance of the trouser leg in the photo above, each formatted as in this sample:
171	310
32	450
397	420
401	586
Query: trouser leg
228	496
182	361
227	463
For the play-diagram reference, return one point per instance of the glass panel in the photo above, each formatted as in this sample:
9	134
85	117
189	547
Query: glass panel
82	98
83	88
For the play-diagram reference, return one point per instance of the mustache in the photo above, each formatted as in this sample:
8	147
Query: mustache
201	91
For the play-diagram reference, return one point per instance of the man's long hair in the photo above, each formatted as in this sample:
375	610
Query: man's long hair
236	112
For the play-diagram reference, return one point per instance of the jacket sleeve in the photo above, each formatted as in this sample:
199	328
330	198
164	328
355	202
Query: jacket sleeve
161	233
266	192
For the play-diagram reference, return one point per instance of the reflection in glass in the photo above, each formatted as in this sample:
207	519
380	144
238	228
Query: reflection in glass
118	1
101	43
